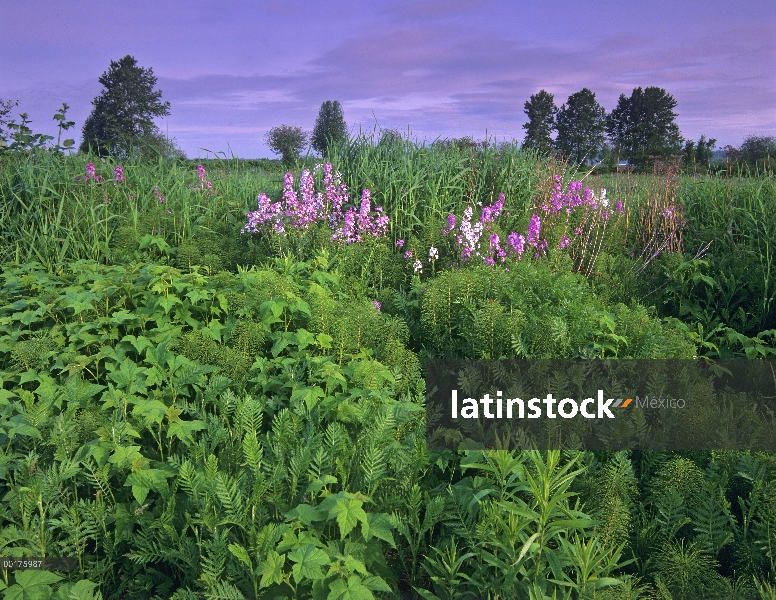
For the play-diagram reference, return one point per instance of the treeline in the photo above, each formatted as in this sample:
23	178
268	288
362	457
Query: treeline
639	130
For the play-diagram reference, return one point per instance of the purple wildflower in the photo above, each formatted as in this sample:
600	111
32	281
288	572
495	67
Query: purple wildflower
399	243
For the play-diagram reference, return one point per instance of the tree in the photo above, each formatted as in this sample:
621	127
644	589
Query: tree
759	152
541	111
329	128
643	126
122	117
287	141
581	124
700	154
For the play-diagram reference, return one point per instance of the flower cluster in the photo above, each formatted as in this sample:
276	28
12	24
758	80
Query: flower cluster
468	238
159	196
118	175
560	203
204	184
300	210
90	174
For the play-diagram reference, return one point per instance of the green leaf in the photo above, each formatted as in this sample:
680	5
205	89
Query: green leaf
242	554
84	590
183	430
305	513
168	302
271	569
32	585
309	561
153	411
353	589
376	583
129	376
309	395
379	526
348	512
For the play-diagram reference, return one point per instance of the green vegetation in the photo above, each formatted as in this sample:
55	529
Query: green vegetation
197	413
121	122
330	127
288	142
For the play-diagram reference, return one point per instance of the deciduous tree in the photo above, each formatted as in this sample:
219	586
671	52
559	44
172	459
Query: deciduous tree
644	126
581	124
288	141
330	127
123	115
541	111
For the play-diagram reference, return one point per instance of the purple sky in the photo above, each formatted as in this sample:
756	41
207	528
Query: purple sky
231	70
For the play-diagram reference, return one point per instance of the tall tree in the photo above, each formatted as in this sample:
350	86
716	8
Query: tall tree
699	155
644	126
581	124
122	117
541	111
330	127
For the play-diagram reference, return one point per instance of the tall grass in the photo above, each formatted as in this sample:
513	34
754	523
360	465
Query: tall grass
47	216
419	184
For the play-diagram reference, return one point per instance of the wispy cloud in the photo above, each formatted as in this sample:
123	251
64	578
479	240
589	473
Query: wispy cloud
441	67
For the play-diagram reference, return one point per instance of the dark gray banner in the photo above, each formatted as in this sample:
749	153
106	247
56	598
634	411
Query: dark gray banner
601	404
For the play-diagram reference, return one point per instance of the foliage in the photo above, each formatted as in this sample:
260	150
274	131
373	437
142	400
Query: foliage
759	153
121	122
287	141
541	112
580	124
643	126
329	127
698	155
191	417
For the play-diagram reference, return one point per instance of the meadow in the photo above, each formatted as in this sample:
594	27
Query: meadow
213	375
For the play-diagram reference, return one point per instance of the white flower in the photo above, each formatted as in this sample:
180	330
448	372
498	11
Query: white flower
433	253
418	266
604	201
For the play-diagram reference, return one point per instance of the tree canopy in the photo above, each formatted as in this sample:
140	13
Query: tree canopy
122	117
330	127
541	111
288	141
644	126
581	124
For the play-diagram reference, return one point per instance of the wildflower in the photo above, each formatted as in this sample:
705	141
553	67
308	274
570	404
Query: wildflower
90	171
564	242
517	242
433	254
533	230
408	254
618	206
399	243
377	305
118	175
418	266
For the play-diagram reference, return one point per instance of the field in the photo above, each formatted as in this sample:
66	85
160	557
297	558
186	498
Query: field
208	396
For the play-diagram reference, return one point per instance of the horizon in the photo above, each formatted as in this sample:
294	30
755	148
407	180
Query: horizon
435	69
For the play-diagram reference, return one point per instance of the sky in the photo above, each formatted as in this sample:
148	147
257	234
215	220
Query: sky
435	68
